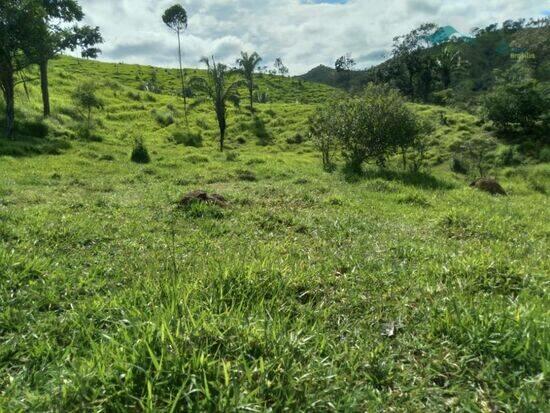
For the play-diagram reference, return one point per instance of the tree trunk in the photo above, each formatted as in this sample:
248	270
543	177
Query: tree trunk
182	82
222	137
44	85
251	100
8	89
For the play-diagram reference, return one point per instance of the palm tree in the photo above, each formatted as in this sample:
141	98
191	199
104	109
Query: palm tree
447	63
248	64
218	90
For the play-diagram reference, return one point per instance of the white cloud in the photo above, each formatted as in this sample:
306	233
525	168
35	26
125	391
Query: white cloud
304	35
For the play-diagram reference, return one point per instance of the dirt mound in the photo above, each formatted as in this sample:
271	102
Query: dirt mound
489	185
202	196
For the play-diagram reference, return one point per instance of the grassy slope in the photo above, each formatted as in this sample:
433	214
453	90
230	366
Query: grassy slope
111	298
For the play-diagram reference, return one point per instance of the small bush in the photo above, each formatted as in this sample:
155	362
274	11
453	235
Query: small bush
35	129
231	156
458	166
134	96
195	159
164	119
140	154
187	139
246	175
414	199
108	158
86	134
544	155
295	140
509	157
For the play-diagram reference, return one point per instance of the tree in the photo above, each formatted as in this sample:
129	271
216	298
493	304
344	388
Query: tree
57	36
248	64
478	151
86	99
323	135
280	67
175	18
219	90
447	63
344	66
369	128
535	41
521	104
407	50
344	63
19	34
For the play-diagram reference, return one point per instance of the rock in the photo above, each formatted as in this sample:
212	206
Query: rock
202	196
489	185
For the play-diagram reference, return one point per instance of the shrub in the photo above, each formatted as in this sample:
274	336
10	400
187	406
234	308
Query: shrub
370	128
187	138
195	159
295	140
246	175
458	166
139	152
231	156
164	119
35	129
134	96
544	154
509	157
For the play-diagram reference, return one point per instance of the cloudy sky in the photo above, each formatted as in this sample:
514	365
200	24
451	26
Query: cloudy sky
304	33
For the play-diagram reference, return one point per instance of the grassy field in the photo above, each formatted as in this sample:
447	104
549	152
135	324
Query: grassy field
309	292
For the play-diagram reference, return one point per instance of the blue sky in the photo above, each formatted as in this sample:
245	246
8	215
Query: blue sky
304	33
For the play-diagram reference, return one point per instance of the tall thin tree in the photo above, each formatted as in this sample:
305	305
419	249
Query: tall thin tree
248	64
175	18
219	89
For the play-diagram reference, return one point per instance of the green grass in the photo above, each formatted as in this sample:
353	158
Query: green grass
309	292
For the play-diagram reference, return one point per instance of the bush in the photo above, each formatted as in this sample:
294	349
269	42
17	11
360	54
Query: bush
370	128
231	156
246	175
164	119
544	155
458	166
140	153
509	157
295	140
35	129
187	138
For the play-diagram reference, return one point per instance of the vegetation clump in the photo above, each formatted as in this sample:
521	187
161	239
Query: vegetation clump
489	185
371	128
200	196
140	154
187	138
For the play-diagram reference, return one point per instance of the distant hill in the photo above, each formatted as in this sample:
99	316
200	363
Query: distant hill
492	51
329	76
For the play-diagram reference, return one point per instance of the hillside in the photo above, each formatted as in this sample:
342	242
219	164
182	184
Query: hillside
308	291
484	57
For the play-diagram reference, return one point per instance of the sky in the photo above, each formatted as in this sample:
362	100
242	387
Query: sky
304	33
